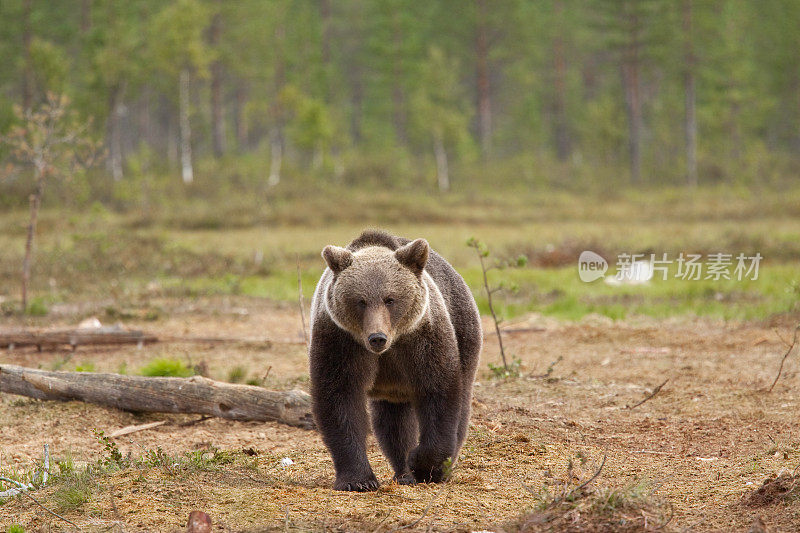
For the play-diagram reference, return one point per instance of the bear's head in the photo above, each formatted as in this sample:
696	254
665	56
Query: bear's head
377	294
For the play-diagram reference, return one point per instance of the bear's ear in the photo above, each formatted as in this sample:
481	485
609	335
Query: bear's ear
337	258
413	255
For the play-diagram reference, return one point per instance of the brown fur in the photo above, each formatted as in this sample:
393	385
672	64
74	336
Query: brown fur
394	323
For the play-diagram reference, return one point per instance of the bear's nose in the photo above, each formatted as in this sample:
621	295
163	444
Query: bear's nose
377	341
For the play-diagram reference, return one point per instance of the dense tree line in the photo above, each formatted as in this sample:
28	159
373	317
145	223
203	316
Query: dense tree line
652	91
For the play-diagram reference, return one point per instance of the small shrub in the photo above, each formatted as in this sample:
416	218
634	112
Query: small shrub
512	370
15	528
36	307
112	457
88	366
165	367
237	374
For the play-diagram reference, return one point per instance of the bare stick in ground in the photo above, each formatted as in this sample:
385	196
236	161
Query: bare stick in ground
649	396
785	356
566	496
586	483
163	395
37	502
549	369
482	252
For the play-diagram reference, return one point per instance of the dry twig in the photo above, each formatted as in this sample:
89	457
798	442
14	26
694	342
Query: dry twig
37	502
649	396
549	369
586	483
785	356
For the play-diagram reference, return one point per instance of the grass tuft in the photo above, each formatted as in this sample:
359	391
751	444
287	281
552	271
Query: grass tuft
165	367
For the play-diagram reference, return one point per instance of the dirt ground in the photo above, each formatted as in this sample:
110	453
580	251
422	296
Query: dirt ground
701	445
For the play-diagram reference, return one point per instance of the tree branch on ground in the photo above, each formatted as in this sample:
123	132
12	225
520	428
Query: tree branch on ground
161	394
785	356
649	396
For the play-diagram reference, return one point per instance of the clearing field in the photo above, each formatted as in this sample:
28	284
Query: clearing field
686	459
692	457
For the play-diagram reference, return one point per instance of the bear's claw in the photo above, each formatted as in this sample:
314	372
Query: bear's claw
406	478
366	485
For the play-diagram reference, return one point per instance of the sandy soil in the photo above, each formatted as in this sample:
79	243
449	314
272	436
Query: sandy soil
709	438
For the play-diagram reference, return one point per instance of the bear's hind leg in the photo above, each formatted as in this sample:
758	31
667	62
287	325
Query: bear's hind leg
463	419
395	427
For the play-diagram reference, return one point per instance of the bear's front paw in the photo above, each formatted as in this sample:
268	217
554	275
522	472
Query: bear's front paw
429	466
406	478
364	484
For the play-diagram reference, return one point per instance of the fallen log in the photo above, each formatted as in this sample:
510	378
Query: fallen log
74	338
114	336
162	395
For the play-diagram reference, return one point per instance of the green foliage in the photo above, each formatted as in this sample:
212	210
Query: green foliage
177	37
512	370
50	66
15	528
163	366
87	366
37	307
339	86
112	457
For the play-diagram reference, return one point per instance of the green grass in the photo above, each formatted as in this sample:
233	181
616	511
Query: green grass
561	294
558	292
250	248
166	367
73	492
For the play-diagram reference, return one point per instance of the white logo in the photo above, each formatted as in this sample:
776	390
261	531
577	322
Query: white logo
591	266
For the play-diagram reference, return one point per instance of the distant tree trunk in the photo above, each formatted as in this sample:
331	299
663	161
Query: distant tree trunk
241	121
115	132
563	141
357	100
187	171
276	157
217	118
398	94
144	116
86	15
690	124
35	203
482	74
442	173
797	92
631	65
325	14
276	132
735	128
27	74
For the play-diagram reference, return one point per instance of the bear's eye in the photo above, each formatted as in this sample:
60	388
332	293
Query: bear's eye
362	304
388	301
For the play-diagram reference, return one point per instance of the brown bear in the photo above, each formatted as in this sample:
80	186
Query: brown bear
392	323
